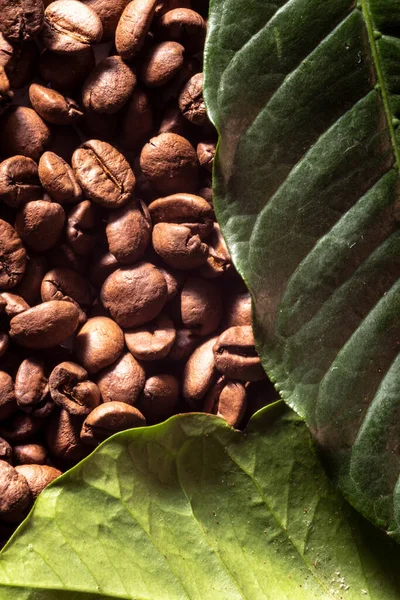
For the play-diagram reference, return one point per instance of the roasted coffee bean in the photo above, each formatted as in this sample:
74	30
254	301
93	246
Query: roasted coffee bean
6	452
81	229
184	26
237	309
21	21
178	247
58	179
109	86
109	418
29	287
191	101
8	404
29	454
199	373
129	232
63	437
65	284
70	26
101	268
40	223
71	389
159	398
14	304
205	154
169	162
161	64
109	13
152	341
227	399
218	259
21	427
134	295
235	355
201	305
137	121
99	343
15	496
104	174
66	72
122	381
184	209
45	325
18	60
22	131
52	106
12	257
38	477
133	27
19	181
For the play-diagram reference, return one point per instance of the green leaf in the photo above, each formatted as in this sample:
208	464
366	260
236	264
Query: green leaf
305	95
192	509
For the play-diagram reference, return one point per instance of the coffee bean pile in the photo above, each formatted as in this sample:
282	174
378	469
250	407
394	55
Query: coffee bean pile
119	305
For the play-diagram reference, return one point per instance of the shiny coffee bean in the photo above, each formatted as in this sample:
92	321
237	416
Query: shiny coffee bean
159	398
152	341
19	181
109	86
58	179
52	106
21	21
201	305
70	26
29	454
129	232
161	64
40	223
178	246
23	132
71	389
14	304
99	343
15	495
122	381
65	72
185	26
81	229
38	477
109	418
227	399
191	101
31	384
66	284
237	309
184	209
235	355
133	27
199	373
109	13
12	257
137	121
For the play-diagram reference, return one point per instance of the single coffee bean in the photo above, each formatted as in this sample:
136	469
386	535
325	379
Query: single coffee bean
8	404
19	181
237	309
103	173
178	247
191	101
199	373
134	295
169	162
21	21
19	61
6	452
71	389
40	223
137	121
65	284
29	287
133	27
15	496
235	355
184	345
63	437
109	13
152	341
109	418
129	232
109	86
81	229
218	259
30	454
205	154
70	26
159	398
65	72
52	106
45	325
58	179
161	64
14	304
184	209
185	26
12	257
21	427
227	399
99	343
122	381
38	477
201	305
23	132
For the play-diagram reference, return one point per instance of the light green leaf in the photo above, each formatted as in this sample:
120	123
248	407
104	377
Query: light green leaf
306	95
192	509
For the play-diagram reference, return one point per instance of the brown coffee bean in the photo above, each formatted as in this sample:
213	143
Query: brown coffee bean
18	60
38	477
201	305
101	268
14	304
129	232
21	21
205	154
184	345
103	173
191	101
152	341
19	181
184	209
45	325
235	355
8	404
109	86
134	295
30	454
218	260
159	398
227	399
40	223
31	384
52	106
81	229
12	257
70	26
71	389
23	132
66	72
29	287
178	247
109	418
6	452
237	310
63	437
122	381
58	179
184	26
137	121
133	27
99	343
161	64
65	284
199	373
15	496
169	162
21	427
109	13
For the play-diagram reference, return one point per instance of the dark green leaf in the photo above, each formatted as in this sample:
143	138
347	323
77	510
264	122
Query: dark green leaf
305	95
